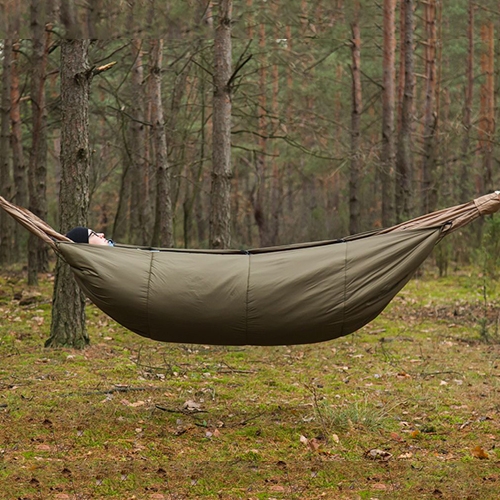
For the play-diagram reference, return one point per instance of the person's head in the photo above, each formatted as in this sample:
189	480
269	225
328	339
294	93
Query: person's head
85	235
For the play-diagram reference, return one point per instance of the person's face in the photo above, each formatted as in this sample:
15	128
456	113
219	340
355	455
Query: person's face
97	238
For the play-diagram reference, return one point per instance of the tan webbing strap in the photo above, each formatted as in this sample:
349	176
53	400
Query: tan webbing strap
33	223
458	216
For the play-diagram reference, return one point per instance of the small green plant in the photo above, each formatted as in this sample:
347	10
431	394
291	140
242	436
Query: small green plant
359	414
348	417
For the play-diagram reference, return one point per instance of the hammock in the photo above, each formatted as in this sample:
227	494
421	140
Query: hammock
286	295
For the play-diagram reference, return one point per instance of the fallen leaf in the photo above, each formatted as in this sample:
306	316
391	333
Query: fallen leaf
480	452
277	488
38	320
405	456
191	406
43	447
376	454
137	404
396	437
315	444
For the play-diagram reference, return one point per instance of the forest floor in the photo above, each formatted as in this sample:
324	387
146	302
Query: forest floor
406	408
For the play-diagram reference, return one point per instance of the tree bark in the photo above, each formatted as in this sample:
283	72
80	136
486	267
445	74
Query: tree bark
138	233
465	188
163	231
486	126
259	200
220	195
68	310
38	258
388	153
18	163
69	19
404	160
429	188
276	186
94	12
5	168
355	169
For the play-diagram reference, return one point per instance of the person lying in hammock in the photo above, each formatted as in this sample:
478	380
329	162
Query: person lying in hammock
85	235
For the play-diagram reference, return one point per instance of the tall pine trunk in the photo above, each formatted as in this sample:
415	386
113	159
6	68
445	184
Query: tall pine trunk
220	195
355	168
388	153
5	169
37	173
18	163
137	136
486	126
465	188
163	232
259	199
276	186
429	188
68	310
404	160
68	16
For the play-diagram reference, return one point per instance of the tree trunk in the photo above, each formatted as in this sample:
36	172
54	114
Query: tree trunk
69	19
5	169
18	163
259	200
68	311
388	154
355	169
121	222
276	186
404	161
94	11
486	126
465	188
220	195
429	188
38	258
163	233
137	147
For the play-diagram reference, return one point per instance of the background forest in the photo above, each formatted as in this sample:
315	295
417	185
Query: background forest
346	116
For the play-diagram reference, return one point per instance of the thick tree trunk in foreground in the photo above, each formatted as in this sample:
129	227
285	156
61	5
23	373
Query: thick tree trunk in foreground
68	311
220	208
163	232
